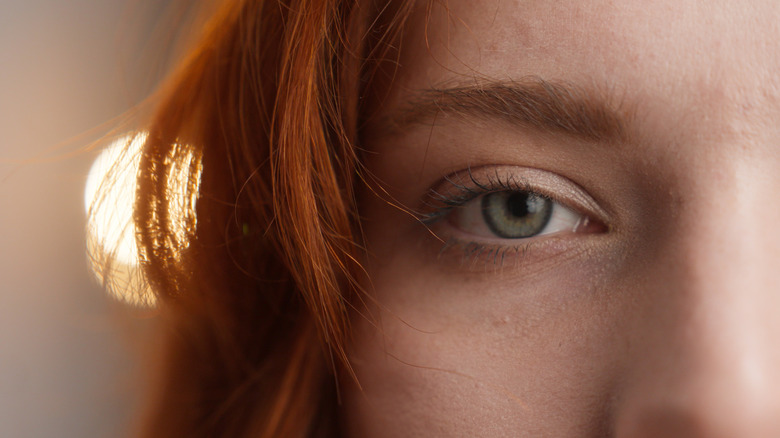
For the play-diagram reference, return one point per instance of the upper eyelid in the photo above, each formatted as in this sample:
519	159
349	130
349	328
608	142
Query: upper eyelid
468	194
473	182
495	184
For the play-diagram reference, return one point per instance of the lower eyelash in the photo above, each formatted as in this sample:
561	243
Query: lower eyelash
472	253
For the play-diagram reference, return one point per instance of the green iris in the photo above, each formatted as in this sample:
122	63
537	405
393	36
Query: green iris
514	215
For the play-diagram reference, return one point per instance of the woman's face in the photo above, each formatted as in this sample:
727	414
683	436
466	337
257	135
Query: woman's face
579	235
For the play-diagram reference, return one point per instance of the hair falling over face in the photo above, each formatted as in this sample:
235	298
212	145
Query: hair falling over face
254	304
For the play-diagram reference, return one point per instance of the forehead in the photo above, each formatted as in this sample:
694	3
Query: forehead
680	59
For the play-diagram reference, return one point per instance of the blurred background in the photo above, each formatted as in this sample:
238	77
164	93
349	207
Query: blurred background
69	362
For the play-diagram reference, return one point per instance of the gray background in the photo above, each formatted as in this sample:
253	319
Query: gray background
69	355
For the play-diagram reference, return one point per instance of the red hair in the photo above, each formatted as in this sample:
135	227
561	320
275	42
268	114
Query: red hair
255	309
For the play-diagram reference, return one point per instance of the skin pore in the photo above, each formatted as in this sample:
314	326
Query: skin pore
648	305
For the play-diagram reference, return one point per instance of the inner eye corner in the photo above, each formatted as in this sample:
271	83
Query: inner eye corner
590	225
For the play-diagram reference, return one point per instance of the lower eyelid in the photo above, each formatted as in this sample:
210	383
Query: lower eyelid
456	253
466	252
534	254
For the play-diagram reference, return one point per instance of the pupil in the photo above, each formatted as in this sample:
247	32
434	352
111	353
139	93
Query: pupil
518	204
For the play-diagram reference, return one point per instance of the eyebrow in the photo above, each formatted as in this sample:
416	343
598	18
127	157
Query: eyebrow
532	102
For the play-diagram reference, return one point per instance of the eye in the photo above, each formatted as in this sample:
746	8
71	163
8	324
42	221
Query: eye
499	210
514	214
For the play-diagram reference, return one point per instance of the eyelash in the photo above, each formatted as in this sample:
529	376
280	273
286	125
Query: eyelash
441	204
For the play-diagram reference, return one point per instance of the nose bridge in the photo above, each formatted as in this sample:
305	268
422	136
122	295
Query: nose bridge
726	239
715	234
709	330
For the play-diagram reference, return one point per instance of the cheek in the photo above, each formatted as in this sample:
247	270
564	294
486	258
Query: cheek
491	353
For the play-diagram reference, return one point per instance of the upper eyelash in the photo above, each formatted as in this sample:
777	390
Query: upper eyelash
441	204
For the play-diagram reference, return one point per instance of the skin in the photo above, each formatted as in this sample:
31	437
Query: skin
659	321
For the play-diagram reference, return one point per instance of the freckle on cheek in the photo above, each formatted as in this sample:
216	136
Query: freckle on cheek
504	320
